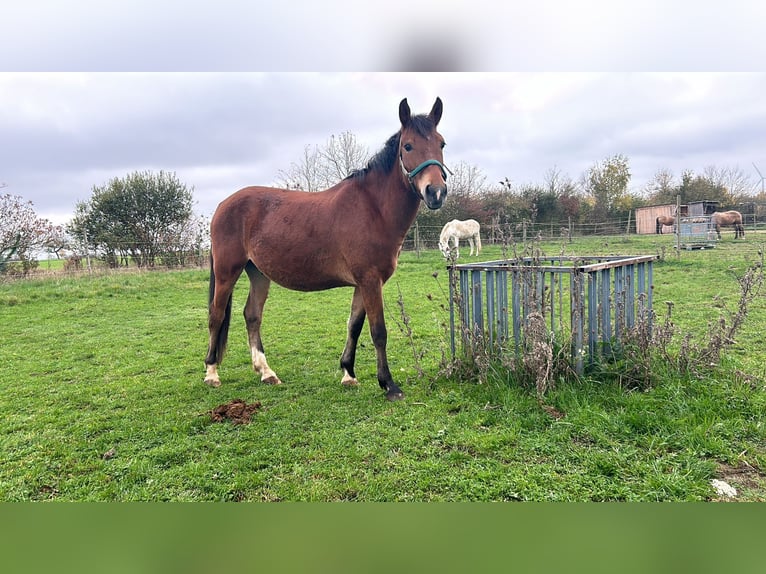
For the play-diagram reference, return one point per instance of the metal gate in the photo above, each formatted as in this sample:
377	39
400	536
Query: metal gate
696	232
586	301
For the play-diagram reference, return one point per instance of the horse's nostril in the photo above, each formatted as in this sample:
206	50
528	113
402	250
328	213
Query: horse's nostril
434	196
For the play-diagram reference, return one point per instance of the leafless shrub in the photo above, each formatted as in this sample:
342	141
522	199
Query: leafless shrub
647	347
538	353
403	323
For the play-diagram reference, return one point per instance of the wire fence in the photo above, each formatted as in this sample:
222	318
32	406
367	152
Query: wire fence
419	237
427	237
85	261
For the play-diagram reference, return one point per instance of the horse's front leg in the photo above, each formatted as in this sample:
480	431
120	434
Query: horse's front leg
373	303
355	324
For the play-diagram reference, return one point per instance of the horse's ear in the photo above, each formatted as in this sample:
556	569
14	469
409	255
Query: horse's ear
436	111
404	112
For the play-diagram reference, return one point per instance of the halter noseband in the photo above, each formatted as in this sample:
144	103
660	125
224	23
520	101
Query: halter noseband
410	175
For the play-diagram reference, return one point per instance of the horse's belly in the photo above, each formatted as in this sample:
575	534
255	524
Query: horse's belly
301	274
308	283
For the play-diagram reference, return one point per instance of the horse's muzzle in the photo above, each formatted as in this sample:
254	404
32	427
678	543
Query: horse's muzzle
435	195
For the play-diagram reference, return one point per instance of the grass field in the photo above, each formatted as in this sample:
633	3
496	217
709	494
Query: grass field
103	399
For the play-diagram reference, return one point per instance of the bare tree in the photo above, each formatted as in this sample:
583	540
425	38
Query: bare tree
467	180
738	184
304	174
324	166
558	183
340	156
56	239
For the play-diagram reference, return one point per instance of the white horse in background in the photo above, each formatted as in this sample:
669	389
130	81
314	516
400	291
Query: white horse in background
456	230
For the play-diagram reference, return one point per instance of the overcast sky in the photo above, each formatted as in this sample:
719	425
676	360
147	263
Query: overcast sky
63	132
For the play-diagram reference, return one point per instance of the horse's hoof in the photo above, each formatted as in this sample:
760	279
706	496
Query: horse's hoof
396	395
215	383
273	380
350	382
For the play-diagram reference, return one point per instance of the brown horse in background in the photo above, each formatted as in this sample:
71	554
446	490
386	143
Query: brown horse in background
348	235
728	219
664	220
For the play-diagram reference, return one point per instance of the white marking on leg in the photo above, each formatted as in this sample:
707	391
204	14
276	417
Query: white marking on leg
211	375
262	367
348	380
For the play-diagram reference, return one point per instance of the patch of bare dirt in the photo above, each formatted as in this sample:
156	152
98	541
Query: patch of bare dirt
749	481
553	412
237	411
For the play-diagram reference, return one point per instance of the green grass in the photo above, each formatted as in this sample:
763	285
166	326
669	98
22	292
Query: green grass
116	362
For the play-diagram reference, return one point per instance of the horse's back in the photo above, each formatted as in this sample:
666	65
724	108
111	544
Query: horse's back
462	226
269	209
470	227
255	199
727	217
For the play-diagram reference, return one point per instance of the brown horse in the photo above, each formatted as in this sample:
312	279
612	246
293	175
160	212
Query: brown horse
664	220
348	235
728	218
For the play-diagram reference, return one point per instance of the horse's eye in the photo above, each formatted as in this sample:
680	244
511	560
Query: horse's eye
442	145
407	147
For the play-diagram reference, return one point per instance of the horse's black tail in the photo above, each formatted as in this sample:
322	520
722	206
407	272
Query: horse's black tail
218	346
659	226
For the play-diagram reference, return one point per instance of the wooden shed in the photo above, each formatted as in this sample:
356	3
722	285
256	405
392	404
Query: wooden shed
646	217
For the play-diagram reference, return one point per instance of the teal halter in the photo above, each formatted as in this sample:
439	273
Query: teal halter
411	174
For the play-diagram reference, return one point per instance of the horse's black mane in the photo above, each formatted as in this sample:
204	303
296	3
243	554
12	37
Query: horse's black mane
385	160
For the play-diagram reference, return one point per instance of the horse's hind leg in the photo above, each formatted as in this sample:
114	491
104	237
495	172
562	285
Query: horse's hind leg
259	291
470	242
355	324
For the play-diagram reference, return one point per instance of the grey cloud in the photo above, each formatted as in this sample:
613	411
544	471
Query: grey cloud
63	134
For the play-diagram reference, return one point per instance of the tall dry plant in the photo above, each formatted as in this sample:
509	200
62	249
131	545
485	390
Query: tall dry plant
635	359
721	335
